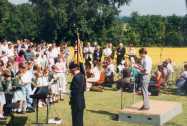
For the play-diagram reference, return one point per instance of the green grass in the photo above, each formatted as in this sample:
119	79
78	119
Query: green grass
101	107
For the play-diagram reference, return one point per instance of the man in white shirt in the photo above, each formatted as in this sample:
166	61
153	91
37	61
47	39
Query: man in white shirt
88	52
146	63
107	52
55	51
10	50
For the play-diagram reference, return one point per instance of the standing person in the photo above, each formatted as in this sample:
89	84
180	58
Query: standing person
61	75
20	59
88	52
97	53
77	100
120	53
131	51
66	52
107	52
146	63
26	80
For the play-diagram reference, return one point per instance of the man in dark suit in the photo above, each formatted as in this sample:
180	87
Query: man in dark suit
120	53
77	100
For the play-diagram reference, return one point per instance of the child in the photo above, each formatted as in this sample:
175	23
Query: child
19	98
53	85
41	80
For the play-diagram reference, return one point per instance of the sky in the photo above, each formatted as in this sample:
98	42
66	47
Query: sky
147	7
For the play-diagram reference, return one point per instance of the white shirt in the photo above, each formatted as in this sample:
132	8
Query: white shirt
26	78
110	69
96	73
147	64
10	52
170	68
55	52
4	48
61	67
184	74
107	52
88	49
132	51
42	81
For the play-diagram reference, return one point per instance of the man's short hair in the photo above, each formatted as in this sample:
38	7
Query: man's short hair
143	51
185	66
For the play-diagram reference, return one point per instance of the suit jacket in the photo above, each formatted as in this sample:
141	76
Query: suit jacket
77	88
121	52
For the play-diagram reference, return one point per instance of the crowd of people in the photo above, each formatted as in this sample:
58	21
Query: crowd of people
122	66
26	65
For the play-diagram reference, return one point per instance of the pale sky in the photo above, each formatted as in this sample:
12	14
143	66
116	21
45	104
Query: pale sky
151	7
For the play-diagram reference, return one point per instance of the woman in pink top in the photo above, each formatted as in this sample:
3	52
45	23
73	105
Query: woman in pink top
20	57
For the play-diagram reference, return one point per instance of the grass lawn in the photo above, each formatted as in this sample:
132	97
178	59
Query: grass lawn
101	107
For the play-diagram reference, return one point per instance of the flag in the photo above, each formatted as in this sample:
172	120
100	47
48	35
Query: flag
78	52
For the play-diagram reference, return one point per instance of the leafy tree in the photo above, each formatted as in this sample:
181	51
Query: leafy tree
21	23
4	15
91	17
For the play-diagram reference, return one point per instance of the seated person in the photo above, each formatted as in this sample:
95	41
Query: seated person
109	70
181	83
157	78
166	74
95	73
125	81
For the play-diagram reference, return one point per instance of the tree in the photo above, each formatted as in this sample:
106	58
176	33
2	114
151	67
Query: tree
21	23
174	31
60	18
4	15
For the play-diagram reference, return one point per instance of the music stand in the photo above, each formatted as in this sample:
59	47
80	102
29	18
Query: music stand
41	93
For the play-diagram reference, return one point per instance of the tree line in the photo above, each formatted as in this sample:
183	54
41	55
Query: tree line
156	30
95	20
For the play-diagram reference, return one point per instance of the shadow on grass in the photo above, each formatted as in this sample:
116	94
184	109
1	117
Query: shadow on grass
3	122
17	121
173	124
171	91
113	116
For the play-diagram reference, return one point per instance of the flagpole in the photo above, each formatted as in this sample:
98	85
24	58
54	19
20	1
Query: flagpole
78	40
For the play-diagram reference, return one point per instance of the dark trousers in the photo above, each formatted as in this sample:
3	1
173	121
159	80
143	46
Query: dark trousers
119	59
8	105
77	116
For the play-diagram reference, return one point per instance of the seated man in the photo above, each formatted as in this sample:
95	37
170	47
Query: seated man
109	70
181	83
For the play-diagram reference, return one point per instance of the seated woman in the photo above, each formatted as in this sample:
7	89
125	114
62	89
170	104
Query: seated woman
158	77
125	81
181	83
94	76
156	80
